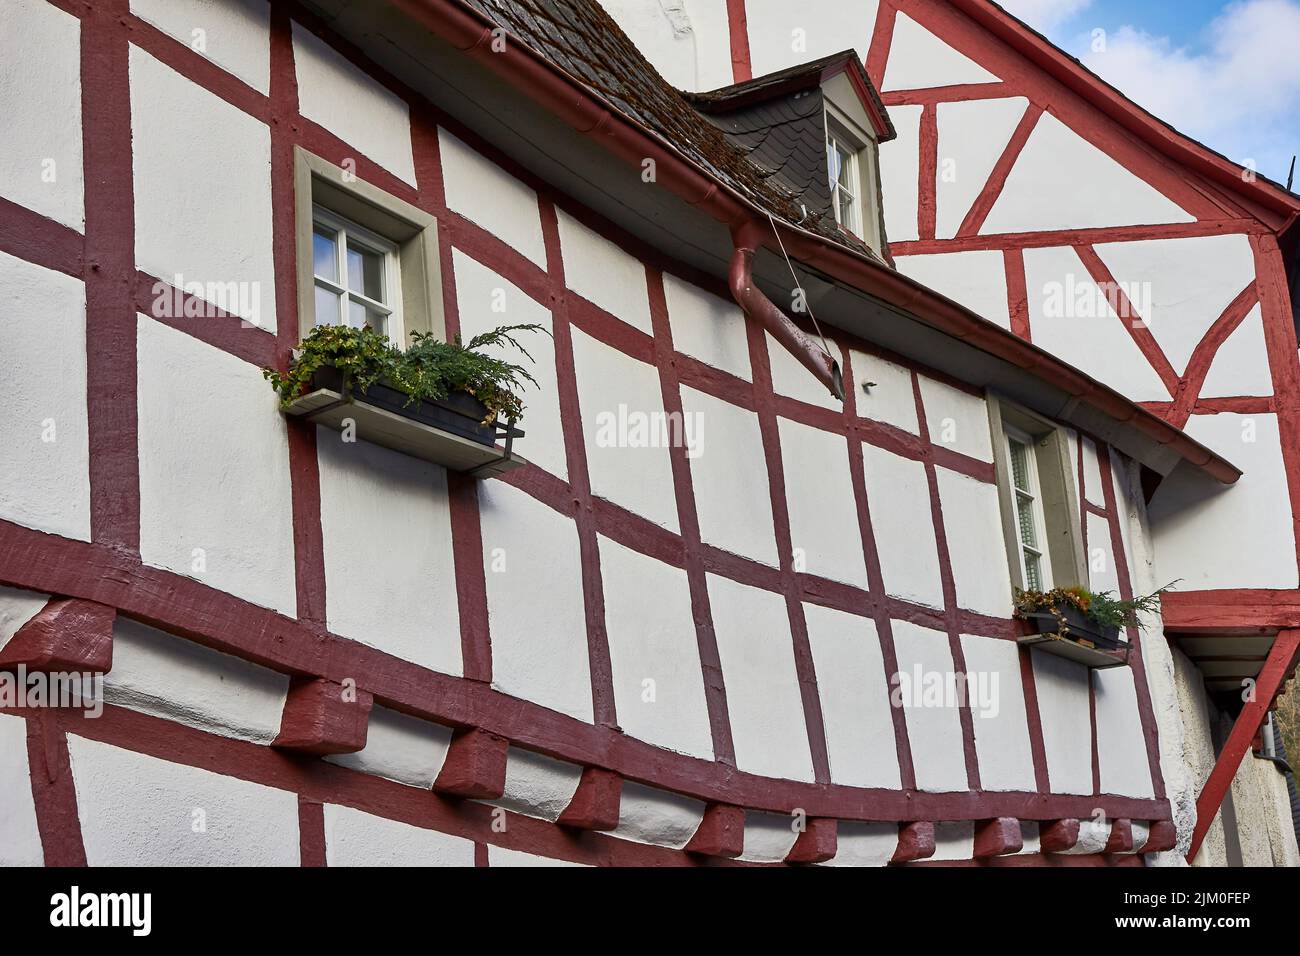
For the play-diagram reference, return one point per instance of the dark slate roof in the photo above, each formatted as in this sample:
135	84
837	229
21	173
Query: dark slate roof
785	136
580	38
801	76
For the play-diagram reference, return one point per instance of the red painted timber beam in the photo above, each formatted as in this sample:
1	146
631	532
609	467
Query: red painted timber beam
1250	611
1281	662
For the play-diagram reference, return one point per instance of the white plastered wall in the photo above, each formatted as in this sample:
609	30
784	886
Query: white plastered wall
356	838
486	194
757	655
20	839
40	157
353	105
536	613
173	678
202	215
45	468
658	679
215	500
234	34
390	578
137	810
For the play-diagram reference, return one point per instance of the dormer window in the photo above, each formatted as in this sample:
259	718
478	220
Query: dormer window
787	122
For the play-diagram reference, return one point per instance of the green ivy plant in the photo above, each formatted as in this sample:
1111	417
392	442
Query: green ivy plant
430	369
1102	607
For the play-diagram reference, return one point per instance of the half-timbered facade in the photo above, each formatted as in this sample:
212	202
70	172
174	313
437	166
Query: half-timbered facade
750	597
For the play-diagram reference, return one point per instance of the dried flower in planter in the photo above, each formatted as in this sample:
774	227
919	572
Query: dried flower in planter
430	369
1102	609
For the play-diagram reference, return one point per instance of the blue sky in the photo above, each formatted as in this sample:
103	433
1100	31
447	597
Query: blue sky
1225	73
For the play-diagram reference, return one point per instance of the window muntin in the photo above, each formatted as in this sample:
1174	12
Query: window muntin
355	276
1027	503
842	164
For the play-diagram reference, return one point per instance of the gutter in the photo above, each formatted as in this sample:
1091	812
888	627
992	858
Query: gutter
574	103
740	279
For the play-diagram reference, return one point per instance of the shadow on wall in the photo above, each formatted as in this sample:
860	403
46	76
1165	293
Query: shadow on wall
1184	488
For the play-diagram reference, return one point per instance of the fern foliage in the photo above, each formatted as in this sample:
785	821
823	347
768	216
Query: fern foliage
429	369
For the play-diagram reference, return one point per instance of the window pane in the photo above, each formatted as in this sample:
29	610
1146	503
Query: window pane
843	167
365	272
1033	572
845	212
1019	464
359	316
325	262
327	306
1025	517
833	161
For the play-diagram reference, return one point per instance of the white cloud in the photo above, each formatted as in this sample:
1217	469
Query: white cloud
1240	95
1045	15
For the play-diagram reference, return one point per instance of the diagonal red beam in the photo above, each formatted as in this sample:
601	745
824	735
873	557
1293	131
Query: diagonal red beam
983	205
1282	660
1127	314
1198	366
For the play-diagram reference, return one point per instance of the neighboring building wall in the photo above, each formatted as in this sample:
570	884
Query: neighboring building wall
768	586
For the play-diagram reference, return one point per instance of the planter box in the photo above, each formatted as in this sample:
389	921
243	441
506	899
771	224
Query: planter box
1076	626
1076	636
449	432
459	413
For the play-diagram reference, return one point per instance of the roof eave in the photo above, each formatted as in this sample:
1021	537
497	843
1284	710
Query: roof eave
587	112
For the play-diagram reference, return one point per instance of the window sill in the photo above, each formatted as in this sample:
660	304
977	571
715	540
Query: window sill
401	431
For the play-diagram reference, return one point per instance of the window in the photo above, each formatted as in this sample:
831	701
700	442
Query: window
851	165
355	275
1028	508
364	257
1040	503
842	161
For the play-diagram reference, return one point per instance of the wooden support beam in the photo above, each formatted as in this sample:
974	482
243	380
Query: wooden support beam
475	766
595	804
68	634
998	837
915	842
1281	661
1058	836
1246	611
1121	837
323	717
1163	835
721	832
817	844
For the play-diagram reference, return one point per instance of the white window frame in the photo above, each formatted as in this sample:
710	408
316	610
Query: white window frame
348	232
1034	492
411	233
1052	474
836	140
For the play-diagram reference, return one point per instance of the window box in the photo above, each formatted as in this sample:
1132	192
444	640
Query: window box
1065	631
448	432
1068	621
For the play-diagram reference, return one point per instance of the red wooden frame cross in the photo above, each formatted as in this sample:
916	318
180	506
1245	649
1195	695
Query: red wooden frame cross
1282	660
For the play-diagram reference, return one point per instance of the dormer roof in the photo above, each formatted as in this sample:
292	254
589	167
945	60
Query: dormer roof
797	79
